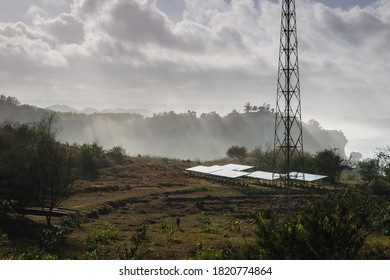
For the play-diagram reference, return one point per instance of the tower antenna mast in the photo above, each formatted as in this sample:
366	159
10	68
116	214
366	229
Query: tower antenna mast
288	140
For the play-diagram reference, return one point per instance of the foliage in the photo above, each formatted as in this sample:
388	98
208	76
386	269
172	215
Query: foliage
237	152
35	253
329	162
248	108
205	252
209	226
168	229
369	170
263	158
90	156
116	153
177	133
35	169
375	172
17	149
333	228
235	225
53	167
139	238
103	234
56	234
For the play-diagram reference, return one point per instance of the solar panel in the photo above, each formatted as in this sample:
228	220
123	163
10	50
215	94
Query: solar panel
308	177
235	171
264	175
236	167
229	173
205	169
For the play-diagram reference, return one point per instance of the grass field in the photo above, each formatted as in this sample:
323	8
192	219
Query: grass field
132	211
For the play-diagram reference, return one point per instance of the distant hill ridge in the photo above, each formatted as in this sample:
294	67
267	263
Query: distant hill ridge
169	134
68	109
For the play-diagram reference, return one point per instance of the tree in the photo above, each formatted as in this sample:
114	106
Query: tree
369	170
237	152
264	158
17	146
376	171
54	168
90	155
117	153
35	169
247	107
329	162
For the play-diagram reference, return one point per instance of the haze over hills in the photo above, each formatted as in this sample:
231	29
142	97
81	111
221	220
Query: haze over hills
170	134
68	109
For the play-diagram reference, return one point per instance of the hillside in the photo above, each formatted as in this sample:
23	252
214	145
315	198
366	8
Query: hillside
173	135
131	211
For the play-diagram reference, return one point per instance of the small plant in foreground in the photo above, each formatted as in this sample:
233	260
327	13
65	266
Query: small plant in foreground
169	230
104	234
139	238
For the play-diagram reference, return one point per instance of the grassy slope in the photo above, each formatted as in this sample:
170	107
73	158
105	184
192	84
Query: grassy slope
151	192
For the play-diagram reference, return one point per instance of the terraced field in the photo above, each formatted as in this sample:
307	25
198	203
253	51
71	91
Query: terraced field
150	208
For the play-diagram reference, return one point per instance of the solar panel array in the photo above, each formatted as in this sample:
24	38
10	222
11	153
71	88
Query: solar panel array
237	170
264	175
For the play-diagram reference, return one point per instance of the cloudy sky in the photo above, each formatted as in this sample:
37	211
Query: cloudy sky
201	55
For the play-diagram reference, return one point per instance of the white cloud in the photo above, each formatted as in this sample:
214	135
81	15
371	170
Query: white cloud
66	28
221	50
34	11
25	43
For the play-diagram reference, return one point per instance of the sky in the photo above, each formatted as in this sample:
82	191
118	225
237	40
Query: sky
201	55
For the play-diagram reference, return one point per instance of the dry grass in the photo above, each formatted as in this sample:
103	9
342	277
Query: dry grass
152	192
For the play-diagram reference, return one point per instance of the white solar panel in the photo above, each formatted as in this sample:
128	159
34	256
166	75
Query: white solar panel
229	173
308	177
264	175
198	168
236	167
235	171
205	169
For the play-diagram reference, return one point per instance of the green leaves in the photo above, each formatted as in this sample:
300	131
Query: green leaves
331	228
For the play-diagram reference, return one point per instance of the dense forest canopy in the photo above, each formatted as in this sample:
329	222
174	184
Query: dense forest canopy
170	134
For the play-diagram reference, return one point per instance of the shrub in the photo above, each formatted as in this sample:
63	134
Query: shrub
205	252
116	153
333	228
210	227
139	238
168	229
237	152
36	253
90	157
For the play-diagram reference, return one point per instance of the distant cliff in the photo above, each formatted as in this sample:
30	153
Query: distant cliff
169	134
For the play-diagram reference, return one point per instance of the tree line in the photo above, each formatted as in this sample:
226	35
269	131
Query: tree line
37	170
187	135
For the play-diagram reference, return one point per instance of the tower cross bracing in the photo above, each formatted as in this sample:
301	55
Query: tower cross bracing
288	139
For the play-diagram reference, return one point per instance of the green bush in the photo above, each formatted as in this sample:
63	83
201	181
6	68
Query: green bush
36	253
169	230
117	153
139	238
331	228
105	234
209	226
205	252
91	156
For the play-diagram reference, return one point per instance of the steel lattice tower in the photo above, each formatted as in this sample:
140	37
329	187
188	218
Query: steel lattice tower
288	140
